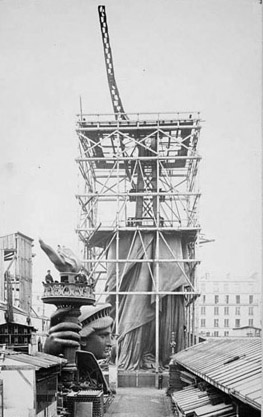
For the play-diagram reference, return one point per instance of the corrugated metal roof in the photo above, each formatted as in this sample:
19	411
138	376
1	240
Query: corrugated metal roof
38	360
232	365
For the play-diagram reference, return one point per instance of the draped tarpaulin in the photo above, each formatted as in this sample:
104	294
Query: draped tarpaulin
137	312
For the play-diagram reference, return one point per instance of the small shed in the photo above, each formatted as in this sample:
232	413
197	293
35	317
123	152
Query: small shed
246	331
222	377
29	384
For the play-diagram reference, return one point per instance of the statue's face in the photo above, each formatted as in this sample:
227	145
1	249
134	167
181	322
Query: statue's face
98	343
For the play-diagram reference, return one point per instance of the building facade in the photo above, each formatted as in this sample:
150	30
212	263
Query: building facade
21	314
226	305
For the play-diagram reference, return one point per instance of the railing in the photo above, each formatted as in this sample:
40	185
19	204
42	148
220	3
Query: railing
139	117
63	290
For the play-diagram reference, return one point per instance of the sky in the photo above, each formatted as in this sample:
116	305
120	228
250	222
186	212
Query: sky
169	55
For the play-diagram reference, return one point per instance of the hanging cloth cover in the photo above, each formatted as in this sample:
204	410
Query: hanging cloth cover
137	312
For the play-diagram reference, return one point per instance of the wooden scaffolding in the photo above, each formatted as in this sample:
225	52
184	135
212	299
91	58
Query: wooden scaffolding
140	176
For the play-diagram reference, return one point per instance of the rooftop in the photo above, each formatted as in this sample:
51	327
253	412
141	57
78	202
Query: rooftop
35	361
231	365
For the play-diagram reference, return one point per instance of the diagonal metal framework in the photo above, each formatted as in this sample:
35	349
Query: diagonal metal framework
115	96
160	195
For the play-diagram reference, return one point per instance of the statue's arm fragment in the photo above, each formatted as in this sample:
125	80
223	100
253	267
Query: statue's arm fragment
64	260
55	258
61	334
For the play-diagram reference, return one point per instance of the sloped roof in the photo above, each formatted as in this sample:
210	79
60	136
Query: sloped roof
232	365
37	361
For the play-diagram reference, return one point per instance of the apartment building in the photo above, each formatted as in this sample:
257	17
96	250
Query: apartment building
227	305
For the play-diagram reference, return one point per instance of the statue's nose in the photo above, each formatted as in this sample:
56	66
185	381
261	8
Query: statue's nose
108	341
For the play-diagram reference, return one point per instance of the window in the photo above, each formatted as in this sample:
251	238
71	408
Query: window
207	333
216	311
227	299
250	299
226	333
250	322
226	323
237	311
237	299
202	322
216	333
250	311
216	299
202	310
225	287
216	287
226	311
203	299
237	323
216	323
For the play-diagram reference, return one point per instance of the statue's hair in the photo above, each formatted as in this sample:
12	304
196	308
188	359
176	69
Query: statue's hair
95	318
97	324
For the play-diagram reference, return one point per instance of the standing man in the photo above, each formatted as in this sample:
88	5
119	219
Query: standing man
48	277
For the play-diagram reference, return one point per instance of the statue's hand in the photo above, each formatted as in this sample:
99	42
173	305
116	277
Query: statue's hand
62	334
63	259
